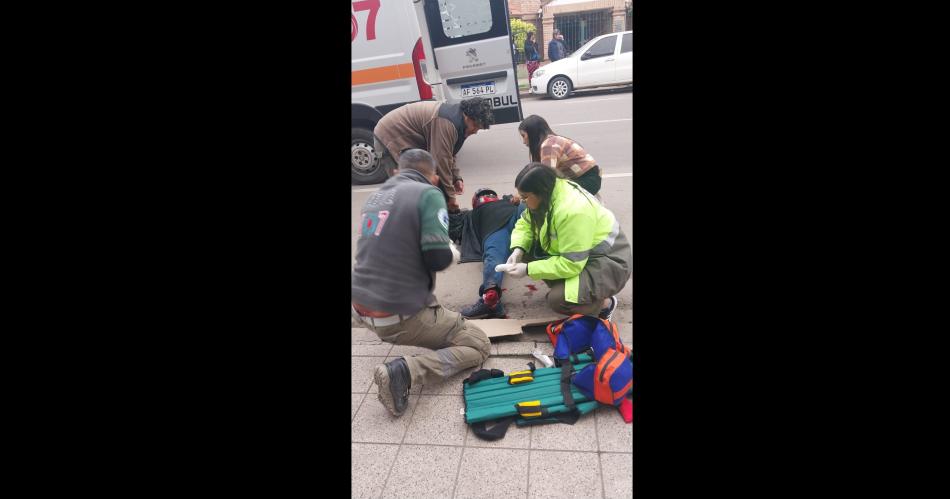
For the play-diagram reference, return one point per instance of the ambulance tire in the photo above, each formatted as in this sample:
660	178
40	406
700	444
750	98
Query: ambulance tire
364	167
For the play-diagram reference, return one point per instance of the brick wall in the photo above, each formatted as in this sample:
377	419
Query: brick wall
522	8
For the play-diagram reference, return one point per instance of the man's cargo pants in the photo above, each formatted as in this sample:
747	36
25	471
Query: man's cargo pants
457	343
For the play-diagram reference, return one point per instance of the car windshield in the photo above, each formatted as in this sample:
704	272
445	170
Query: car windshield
583	48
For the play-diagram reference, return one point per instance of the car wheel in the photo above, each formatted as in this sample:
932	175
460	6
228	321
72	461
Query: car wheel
365	168
560	88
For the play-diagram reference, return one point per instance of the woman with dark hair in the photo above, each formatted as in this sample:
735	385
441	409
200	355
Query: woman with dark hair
532	58
588	256
568	159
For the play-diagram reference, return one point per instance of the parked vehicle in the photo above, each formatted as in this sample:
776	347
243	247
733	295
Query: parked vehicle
410	50
387	55
604	61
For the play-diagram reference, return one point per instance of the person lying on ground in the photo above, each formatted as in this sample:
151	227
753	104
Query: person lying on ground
483	234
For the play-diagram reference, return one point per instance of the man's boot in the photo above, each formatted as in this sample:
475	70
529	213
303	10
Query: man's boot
394	380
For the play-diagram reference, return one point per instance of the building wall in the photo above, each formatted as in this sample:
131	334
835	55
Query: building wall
521	8
617	9
527	11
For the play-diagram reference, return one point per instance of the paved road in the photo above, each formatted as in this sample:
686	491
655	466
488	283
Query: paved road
601	121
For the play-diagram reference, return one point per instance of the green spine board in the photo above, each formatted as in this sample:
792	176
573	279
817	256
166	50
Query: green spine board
531	387
583	408
493	391
583	360
494	398
501	408
502	382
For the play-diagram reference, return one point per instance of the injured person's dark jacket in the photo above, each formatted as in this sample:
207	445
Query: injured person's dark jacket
471	227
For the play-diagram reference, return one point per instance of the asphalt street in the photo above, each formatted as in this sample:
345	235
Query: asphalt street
601	121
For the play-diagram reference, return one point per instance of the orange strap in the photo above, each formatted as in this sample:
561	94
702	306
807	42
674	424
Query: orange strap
623	391
615	332
556	327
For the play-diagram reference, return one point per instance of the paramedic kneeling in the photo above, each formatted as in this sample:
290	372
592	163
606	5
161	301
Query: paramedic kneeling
403	242
587	255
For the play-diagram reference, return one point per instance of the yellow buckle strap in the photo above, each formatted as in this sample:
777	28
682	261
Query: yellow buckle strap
518	377
529	405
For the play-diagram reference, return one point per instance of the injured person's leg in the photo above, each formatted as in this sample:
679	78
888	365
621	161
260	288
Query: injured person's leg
495	252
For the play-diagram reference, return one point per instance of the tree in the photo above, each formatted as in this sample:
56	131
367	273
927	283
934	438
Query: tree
519	31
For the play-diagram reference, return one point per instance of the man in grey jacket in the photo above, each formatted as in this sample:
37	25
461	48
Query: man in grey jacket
403	242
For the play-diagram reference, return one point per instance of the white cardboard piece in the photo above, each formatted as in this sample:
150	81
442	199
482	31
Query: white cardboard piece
494	328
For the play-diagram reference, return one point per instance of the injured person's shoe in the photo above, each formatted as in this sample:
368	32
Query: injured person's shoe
482	311
394	380
608	313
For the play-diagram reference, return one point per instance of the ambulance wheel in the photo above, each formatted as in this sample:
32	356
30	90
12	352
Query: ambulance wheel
365	168
560	88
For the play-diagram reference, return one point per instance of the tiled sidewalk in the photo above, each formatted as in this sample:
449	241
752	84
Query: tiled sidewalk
431	452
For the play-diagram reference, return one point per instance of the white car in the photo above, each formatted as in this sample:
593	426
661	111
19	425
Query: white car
604	61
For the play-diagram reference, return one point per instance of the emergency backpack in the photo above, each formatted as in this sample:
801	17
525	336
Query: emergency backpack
610	377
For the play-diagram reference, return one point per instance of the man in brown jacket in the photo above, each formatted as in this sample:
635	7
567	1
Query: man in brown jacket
438	128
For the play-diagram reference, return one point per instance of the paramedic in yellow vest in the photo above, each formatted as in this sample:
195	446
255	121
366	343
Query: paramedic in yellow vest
570	241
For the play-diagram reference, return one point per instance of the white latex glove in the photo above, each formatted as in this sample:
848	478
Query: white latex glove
519	270
515	256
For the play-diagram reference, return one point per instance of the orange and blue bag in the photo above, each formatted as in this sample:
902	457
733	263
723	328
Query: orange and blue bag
572	336
610	378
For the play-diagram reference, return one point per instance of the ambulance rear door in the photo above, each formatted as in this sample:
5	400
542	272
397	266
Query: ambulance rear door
471	53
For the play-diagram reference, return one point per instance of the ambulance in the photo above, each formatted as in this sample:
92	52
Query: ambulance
410	50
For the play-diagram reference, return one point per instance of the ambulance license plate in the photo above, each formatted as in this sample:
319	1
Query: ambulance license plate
478	89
